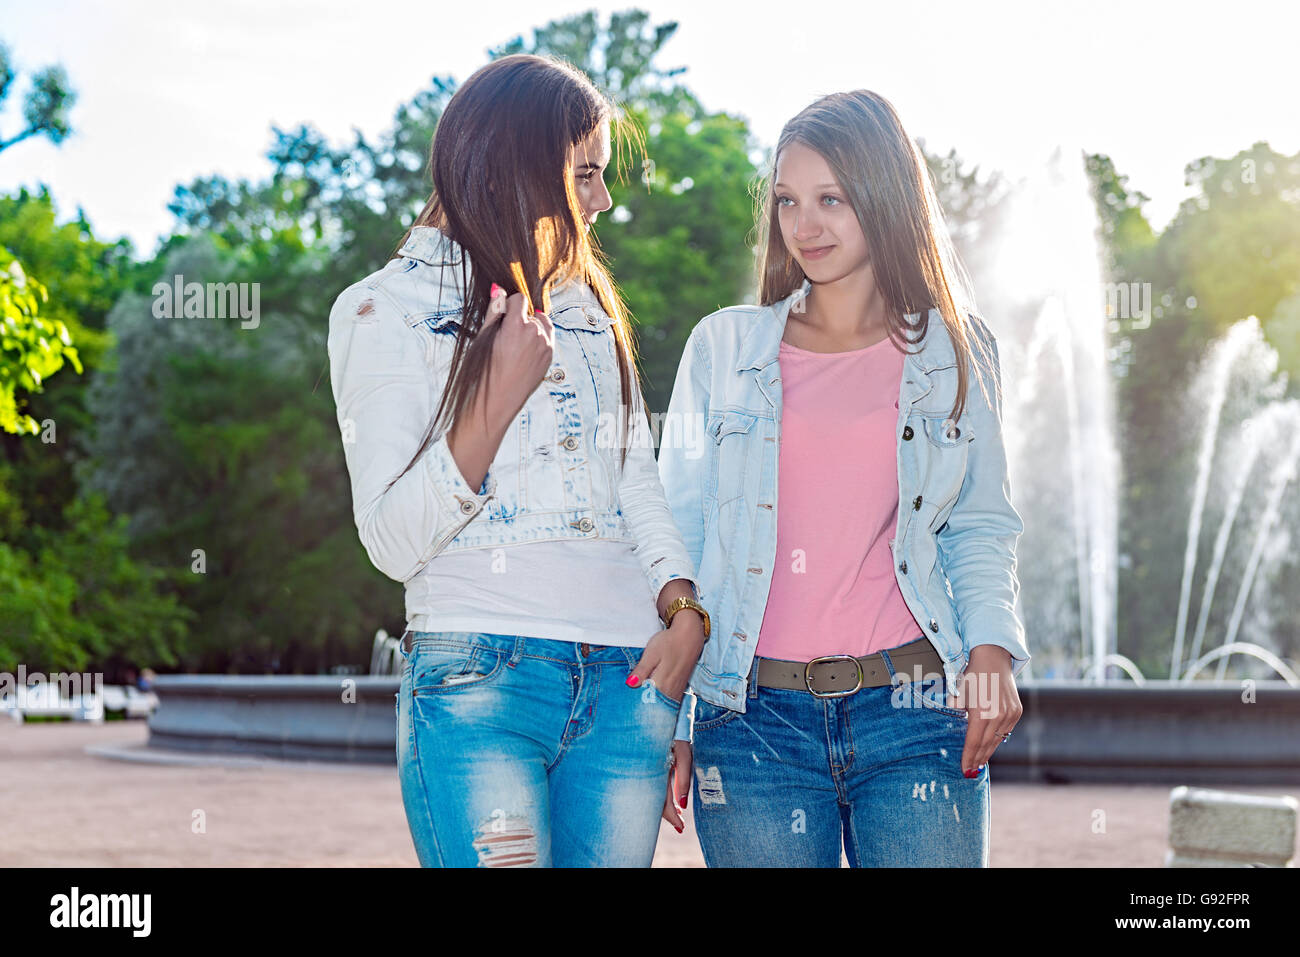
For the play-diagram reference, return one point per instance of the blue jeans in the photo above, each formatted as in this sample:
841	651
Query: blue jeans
519	751
795	776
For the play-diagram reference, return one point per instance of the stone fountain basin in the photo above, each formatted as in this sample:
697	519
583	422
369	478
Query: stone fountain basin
1205	732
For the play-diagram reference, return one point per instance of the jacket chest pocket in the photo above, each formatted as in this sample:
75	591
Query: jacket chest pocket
731	434
597	360
590	416
947	450
549	435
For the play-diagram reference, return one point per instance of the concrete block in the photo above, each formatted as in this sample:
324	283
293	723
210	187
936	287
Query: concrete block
1226	829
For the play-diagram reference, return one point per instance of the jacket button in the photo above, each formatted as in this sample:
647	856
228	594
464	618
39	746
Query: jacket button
467	506
586	525
916	504
902	567
907	432
557	375
934	625
591	319
954	432
570	442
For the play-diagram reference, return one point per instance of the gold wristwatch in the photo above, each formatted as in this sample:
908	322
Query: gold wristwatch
677	604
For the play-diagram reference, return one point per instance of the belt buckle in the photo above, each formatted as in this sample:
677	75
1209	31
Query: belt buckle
807	678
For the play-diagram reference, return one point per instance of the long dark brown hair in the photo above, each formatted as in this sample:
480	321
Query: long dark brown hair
887	181
503	189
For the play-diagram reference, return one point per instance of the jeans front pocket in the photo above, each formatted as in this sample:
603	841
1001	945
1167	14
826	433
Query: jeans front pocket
663	698
633	655
709	715
400	662
928	694
447	662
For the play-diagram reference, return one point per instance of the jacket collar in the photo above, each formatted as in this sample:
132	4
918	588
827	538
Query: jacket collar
433	246
571	303
760	345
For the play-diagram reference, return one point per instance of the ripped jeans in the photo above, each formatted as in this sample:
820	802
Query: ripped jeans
795	777
518	752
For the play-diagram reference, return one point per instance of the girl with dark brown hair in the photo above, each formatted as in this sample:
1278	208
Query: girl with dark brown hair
498	449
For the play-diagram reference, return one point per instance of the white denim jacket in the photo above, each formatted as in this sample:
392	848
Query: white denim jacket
556	474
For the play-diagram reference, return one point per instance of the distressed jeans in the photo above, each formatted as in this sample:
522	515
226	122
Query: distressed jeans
879	772
516	751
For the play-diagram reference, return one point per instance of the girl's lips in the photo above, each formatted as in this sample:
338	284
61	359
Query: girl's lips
817	253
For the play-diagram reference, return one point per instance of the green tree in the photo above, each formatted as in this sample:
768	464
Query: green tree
679	234
1236	244
618	56
1232	250
46	106
219	444
32	347
79	601
83	276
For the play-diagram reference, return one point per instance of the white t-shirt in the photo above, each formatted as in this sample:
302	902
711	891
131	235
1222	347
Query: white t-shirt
579	591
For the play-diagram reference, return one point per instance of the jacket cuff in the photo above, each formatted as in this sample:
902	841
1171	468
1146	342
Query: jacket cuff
685	718
668	570
996	627
449	484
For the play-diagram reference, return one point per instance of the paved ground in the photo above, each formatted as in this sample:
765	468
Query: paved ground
63	806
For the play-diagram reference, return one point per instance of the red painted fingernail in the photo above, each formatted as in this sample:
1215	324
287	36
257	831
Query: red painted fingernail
679	830
970	773
496	289
633	681
682	800
538	312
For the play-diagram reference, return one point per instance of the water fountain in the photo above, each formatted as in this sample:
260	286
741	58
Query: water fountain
1042	296
1043	293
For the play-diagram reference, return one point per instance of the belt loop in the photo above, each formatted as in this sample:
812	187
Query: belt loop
517	653
893	675
753	678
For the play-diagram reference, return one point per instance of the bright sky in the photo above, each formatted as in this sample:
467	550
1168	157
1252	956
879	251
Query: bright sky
168	90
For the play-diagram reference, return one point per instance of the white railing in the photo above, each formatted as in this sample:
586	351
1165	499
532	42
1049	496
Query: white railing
384	658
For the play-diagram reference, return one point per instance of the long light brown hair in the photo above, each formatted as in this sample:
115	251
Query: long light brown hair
501	162
887	181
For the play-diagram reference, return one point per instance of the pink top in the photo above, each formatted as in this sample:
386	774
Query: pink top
833	586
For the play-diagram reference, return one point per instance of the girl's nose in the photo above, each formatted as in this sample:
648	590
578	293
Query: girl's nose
806	227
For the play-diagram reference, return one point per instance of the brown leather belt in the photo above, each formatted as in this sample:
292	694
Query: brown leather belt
838	676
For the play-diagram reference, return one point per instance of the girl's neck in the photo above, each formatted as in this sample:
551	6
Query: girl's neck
848	310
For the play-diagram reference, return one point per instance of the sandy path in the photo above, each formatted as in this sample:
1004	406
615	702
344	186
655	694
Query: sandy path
62	806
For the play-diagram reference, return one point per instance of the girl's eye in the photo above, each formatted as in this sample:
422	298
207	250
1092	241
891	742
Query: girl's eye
832	198
780	200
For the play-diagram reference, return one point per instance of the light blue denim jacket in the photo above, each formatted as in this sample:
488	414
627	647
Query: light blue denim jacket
956	532
556	474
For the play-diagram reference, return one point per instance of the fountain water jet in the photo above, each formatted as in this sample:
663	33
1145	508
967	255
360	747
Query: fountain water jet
1225	355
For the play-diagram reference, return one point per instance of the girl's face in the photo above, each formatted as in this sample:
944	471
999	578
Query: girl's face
589	158
817	222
